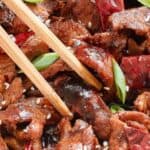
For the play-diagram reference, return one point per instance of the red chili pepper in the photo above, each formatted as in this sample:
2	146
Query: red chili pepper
108	7
28	146
22	37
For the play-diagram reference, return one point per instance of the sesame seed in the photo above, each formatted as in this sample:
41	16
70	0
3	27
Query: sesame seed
106	88
48	116
32	88
3	102
127	88
0	122
38	101
6	85
24	90
105	143
89	24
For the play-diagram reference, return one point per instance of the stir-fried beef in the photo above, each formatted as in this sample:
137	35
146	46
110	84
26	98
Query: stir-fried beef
142	103
130	130
87	103
7	68
67	30
84	11
135	19
34	46
80	136
3	144
12	94
99	60
137	71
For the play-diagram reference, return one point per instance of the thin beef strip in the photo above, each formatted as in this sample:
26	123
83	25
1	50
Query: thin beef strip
130	130
7	68
142	103
85	102
80	136
137	71
83	11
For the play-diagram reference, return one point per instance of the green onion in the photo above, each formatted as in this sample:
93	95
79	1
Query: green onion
33	1
44	60
145	2
116	108
120	82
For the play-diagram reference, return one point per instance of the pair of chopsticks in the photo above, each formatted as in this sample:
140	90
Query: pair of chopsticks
14	52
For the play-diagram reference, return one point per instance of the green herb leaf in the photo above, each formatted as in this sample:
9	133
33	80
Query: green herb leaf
33	1
119	81
145	2
43	61
115	108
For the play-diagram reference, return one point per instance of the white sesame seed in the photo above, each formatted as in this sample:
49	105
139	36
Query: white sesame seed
12	37
24	90
47	22
106	88
3	102
25	130
38	101
0	122
32	88
105	143
127	88
48	116
0	107
89	24
6	84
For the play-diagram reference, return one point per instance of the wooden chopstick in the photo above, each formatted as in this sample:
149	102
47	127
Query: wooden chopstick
26	15
15	53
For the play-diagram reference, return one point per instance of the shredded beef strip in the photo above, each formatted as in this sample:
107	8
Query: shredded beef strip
85	102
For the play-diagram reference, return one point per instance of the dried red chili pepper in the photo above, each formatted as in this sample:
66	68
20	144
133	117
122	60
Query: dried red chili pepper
22	37
106	8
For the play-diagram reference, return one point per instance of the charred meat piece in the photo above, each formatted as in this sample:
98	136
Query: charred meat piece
130	129
98	60
34	46
137	71
67	30
7	68
80	136
84	11
85	102
142	103
135	19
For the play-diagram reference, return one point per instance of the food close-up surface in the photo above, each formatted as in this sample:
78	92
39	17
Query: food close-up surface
111	38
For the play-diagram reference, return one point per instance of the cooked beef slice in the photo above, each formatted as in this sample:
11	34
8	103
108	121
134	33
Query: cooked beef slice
142	103
83	11
13	94
7	68
133	19
137	71
80	136
34	46
67	30
85	102
99	60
